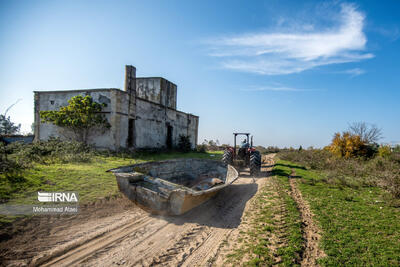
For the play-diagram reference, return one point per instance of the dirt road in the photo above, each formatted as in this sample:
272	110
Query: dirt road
131	236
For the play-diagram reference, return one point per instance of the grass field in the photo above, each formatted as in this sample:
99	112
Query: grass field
361	226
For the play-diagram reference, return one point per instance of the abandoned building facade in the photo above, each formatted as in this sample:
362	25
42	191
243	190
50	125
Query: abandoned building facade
142	116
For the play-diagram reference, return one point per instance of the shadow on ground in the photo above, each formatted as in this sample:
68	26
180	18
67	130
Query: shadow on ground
291	166
224	210
244	173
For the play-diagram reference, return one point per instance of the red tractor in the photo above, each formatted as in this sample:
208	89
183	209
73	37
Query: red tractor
246	156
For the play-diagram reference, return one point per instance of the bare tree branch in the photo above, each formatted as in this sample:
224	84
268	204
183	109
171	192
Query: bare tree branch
16	102
369	133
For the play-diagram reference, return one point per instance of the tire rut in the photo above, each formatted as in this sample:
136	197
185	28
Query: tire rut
311	233
233	239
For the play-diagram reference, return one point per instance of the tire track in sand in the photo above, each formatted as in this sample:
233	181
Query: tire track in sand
83	251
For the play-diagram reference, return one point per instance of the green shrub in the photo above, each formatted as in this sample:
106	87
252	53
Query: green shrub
184	144
348	145
81	118
9	164
201	148
54	150
384	151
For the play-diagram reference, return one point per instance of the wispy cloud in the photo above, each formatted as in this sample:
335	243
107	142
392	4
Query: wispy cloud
278	52
391	32
354	72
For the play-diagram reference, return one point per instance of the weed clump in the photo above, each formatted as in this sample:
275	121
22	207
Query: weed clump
46	152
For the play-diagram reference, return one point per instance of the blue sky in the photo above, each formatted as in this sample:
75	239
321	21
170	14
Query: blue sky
290	72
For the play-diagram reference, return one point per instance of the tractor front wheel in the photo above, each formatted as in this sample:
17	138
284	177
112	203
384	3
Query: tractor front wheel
255	163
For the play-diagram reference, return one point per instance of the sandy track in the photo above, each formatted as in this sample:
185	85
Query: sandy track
133	237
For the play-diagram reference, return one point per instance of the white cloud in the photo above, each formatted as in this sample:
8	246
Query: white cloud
292	52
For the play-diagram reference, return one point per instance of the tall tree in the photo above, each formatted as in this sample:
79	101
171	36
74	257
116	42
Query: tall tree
81	117
7	126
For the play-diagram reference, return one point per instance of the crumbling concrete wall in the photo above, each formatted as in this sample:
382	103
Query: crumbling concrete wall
152	123
157	90
183	124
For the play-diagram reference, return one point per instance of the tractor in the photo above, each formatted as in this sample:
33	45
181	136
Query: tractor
246	156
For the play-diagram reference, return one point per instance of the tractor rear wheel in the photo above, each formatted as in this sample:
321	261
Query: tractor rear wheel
255	163
227	158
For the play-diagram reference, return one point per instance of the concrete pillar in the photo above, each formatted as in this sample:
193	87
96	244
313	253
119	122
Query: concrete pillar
130	79
130	88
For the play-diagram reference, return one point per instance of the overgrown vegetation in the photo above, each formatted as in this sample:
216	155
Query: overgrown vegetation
23	155
354	159
360	140
348	145
211	145
382	171
17	158
360	224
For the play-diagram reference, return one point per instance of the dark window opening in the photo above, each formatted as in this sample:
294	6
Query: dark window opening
169	136
130	132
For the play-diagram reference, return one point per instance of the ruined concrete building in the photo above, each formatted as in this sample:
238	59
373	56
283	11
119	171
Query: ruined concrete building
142	116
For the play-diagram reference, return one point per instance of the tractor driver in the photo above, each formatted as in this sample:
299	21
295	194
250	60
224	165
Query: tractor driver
245	144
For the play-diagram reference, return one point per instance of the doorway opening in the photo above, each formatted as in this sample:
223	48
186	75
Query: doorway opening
169	136
131	129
